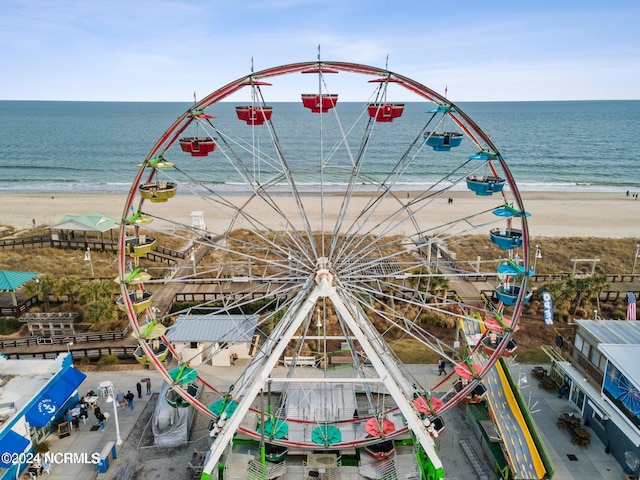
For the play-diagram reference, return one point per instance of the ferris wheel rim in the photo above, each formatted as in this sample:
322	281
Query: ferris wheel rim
172	134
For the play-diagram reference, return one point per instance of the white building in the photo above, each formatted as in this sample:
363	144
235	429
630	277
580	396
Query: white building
214	338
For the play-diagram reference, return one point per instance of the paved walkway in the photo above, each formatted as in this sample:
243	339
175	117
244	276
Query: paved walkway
588	463
592	462
85	441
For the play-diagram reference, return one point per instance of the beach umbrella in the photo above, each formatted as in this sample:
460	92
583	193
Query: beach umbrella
326	435
464	371
223	404
276	428
427	404
378	428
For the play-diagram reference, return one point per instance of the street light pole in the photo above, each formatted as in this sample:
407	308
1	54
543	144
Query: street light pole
635	259
87	258
108	386
537	255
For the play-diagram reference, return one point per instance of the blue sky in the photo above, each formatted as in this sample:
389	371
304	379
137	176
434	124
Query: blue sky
164	50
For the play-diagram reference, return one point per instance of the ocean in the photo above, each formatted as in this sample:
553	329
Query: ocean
92	147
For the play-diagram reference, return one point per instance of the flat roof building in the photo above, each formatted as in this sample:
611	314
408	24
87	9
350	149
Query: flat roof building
34	393
601	366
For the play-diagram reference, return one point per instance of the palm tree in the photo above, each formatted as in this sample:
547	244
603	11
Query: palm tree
41	287
559	291
422	279
585	288
101	312
96	290
69	286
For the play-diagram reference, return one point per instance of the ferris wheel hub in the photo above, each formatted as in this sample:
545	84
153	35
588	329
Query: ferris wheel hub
324	277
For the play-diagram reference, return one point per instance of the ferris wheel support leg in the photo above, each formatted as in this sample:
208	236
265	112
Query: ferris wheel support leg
391	381
262	375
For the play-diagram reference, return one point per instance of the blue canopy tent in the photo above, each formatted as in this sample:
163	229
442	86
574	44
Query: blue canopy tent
54	397
12	443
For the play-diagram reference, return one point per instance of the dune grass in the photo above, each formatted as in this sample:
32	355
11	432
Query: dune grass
615	255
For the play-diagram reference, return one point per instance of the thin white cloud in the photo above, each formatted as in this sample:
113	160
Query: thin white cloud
162	50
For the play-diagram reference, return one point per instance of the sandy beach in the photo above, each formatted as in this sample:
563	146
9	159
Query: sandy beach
553	214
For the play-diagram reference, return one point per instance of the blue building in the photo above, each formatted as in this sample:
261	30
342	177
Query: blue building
34	394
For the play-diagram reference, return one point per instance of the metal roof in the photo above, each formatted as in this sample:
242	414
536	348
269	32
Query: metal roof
11	280
624	358
213	328
91	222
619	332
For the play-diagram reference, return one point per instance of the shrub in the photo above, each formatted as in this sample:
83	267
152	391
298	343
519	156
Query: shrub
9	326
581	313
108	360
42	447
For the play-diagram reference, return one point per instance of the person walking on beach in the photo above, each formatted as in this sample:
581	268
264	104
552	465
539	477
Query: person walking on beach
441	366
139	389
129	397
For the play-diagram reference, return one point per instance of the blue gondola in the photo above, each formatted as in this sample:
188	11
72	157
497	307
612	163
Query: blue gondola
485	185
443	141
510	296
506	239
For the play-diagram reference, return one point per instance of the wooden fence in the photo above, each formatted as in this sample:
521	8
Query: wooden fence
64	339
91	351
605	296
17	310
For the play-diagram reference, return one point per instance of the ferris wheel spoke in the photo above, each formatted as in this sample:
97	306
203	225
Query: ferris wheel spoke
324	226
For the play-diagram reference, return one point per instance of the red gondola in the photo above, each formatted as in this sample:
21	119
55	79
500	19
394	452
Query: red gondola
312	101
197	146
381	451
254	115
385	112
491	342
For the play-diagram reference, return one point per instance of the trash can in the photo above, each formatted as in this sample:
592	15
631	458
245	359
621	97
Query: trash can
107	455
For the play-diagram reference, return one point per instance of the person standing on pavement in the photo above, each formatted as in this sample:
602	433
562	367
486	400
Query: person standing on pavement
441	366
129	397
148	382
120	399
139	389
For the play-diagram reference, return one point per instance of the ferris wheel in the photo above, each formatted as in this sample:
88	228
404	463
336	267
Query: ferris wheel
316	243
